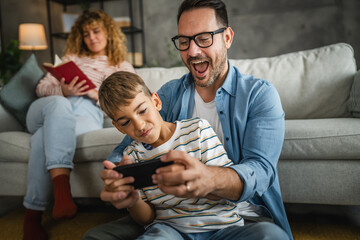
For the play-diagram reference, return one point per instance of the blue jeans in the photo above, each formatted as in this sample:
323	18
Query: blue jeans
55	121
253	231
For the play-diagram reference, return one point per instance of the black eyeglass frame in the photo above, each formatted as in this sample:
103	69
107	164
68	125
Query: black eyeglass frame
220	30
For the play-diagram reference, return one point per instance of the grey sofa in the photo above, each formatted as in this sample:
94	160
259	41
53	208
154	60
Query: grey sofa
320	159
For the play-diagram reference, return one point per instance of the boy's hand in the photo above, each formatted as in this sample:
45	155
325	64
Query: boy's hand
120	183
116	191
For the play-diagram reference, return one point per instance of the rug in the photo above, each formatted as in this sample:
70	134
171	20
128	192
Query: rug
11	226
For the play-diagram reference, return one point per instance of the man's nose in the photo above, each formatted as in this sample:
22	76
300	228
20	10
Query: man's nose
194	49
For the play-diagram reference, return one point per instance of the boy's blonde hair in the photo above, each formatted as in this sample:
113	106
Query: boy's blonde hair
119	89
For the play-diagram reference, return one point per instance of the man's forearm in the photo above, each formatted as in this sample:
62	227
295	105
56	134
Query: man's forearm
227	183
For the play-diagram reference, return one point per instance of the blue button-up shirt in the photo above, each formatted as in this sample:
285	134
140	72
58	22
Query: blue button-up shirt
252	121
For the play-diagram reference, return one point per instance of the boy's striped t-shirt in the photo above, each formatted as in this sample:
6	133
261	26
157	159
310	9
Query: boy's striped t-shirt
196	137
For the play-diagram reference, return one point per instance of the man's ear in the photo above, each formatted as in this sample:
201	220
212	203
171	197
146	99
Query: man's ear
229	36
156	100
117	127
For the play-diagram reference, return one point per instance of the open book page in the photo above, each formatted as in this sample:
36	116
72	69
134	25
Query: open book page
57	61
68	70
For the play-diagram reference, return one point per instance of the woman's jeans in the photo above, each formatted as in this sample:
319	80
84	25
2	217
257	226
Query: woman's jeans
55	121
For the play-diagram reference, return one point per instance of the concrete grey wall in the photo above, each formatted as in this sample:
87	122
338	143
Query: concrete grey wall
262	28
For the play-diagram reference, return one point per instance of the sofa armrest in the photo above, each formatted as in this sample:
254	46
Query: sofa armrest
354	100
8	122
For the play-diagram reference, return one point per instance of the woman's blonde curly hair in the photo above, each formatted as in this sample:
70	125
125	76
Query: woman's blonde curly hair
116	46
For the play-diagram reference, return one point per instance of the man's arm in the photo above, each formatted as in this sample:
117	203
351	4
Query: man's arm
198	179
262	142
116	154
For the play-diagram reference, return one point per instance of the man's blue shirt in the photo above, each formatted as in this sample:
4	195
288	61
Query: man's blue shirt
252	120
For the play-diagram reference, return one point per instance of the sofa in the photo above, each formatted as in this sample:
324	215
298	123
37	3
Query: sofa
320	158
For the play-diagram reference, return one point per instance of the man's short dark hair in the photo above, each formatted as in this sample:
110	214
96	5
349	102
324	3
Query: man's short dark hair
217	5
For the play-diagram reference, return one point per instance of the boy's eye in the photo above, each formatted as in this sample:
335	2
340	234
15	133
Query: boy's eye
123	124
143	111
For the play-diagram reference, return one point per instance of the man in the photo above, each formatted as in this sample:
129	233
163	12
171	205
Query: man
246	114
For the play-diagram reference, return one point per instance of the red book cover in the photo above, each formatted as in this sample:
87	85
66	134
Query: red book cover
68	70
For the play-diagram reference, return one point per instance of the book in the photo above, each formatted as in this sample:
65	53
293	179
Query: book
67	70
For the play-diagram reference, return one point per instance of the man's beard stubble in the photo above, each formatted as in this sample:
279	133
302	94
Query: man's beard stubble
215	72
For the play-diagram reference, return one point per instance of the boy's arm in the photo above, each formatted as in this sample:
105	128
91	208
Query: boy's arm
142	212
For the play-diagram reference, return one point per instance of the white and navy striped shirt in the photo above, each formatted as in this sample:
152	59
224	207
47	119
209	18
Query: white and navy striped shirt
197	138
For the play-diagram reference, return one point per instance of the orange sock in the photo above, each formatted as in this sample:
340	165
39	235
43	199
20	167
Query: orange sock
64	206
32	226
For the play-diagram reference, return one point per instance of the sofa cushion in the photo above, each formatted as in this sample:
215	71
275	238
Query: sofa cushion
95	145
90	146
8	122
18	94
14	146
312	84
333	138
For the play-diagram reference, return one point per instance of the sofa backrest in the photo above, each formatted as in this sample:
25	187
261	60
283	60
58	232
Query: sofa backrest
155	77
312	84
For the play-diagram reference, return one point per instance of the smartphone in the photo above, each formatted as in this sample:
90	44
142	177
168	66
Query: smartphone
142	171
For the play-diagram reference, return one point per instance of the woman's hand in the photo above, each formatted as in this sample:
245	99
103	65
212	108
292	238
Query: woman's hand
116	189
74	88
93	94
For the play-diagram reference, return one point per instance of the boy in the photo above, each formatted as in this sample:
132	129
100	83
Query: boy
124	97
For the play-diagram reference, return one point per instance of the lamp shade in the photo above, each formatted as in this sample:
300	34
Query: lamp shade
32	36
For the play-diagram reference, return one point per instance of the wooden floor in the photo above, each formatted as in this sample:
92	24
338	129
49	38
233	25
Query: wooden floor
308	222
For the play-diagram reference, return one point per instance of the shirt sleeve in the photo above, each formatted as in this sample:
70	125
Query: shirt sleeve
126	66
117	153
262	144
48	86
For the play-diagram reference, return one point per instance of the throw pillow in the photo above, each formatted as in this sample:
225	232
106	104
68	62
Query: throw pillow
19	93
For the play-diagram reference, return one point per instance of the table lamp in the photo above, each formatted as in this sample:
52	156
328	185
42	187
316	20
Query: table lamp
32	36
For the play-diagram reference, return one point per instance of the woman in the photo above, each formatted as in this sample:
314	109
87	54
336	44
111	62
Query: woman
64	111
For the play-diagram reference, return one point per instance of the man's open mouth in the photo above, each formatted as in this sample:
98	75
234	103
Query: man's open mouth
200	66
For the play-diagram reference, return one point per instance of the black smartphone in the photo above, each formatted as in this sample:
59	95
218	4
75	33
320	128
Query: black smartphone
142	171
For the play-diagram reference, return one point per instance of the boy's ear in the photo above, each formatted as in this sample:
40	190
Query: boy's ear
117	127
156	100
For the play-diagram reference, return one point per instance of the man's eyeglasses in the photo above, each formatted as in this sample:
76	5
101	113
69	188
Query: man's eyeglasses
203	40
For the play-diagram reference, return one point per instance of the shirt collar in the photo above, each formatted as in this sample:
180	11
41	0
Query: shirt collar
228	84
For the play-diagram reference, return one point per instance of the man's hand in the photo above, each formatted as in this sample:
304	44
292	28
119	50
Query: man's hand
116	189
74	88
197	179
